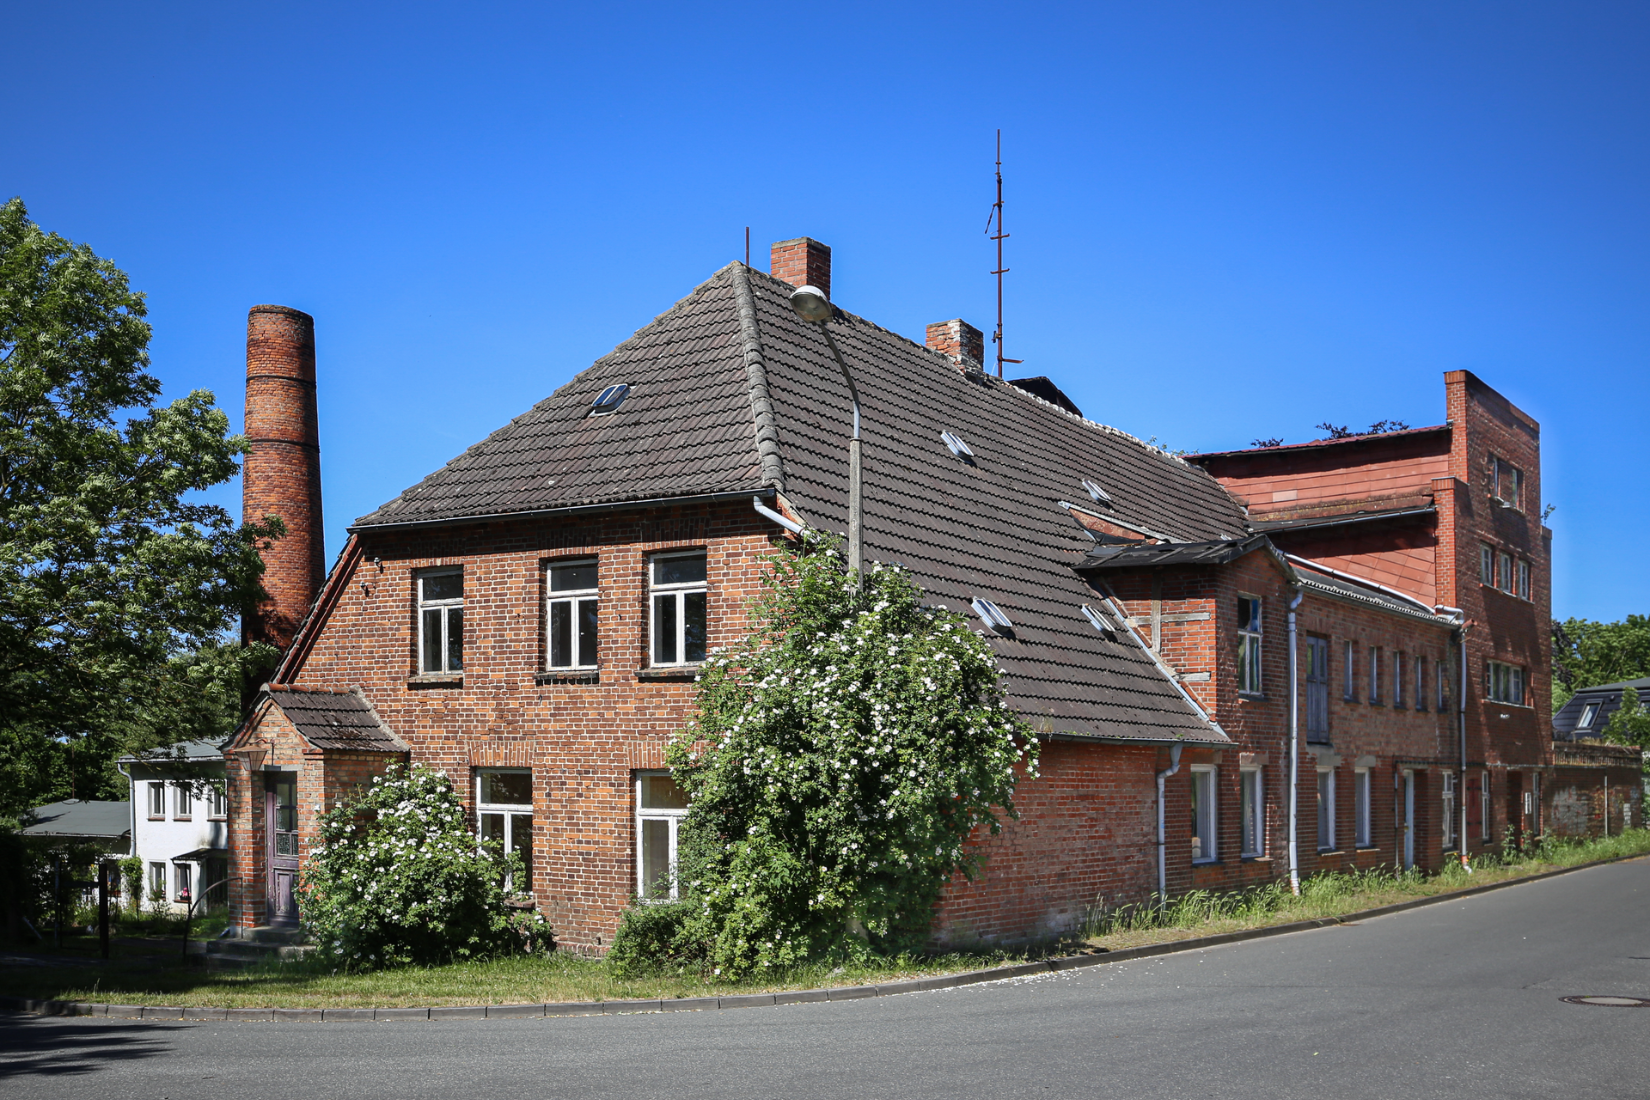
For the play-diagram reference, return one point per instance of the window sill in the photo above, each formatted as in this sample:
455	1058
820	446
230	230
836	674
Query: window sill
1330	852
1253	696
569	676
669	672
1325	742
436	679
1256	859
1215	862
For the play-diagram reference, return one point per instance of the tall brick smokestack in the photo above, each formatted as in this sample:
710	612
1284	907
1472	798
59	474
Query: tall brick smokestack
282	472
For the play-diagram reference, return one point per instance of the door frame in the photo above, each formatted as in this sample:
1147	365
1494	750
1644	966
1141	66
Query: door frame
275	865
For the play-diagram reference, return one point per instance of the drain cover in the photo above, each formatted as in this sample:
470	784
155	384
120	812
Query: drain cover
1609	1002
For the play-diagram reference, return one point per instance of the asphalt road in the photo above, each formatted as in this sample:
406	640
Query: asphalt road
1460	999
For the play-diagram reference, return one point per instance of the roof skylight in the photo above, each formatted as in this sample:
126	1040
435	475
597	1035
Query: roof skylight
609	399
1100	495
1098	622
991	615
958	447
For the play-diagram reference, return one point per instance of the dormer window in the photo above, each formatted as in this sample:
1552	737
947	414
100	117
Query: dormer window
609	400
1588	714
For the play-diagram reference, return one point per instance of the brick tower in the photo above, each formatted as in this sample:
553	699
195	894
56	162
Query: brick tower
282	473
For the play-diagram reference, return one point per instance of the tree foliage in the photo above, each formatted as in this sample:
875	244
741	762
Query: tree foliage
398	878
1630	724
116	583
1587	653
837	764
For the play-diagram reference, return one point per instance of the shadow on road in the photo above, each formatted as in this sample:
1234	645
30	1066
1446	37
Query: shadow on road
37	1047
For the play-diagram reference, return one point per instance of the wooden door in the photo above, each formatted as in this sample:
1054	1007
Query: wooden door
281	838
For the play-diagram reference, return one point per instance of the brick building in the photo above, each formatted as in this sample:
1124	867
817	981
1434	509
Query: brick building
529	619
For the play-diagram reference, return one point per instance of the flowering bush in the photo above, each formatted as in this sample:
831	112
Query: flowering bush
399	878
837	763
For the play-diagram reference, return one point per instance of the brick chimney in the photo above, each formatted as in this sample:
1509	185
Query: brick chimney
281	475
960	340
802	262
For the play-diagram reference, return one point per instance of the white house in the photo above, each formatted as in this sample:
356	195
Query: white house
180	822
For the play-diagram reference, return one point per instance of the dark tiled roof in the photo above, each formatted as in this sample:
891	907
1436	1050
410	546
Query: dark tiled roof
1608	698
732	392
74	818
336	721
684	429
184	752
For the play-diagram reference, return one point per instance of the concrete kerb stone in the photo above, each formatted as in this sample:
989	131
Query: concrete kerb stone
762	1000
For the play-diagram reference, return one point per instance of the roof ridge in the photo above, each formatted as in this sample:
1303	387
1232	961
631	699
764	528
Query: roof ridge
756	375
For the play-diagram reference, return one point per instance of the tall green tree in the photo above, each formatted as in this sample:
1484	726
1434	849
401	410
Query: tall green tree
1587	653
117	583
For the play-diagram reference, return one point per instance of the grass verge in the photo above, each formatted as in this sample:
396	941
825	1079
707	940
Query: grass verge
150	970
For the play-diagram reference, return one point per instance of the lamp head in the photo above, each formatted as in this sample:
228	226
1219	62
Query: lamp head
811	305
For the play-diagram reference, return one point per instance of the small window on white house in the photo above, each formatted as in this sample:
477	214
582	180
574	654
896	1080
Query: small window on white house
157	802
1249	647
182	879
1326	809
441	621
183	802
1398	679
1361	806
217	806
504	815
1203	813
157	880
1349	690
1505	683
572	618
1252	791
660	807
1420	683
1588	714
679	594
1448	793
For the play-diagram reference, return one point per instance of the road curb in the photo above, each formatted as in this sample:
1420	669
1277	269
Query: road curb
757	1000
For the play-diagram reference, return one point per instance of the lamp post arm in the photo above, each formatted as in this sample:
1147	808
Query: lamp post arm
853	391
855	558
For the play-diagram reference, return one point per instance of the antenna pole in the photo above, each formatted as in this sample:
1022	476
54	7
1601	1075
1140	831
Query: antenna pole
999	237
747	246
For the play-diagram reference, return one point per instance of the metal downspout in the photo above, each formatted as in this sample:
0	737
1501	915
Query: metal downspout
1162	829
1294	748
1461	727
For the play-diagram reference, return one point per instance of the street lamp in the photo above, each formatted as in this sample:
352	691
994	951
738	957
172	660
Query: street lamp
812	306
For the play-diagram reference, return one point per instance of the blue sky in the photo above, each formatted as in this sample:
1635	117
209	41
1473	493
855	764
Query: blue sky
1229	220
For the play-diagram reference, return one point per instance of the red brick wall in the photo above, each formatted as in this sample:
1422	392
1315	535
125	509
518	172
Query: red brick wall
281	475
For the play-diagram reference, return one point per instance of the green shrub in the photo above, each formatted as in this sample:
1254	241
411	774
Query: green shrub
837	764
653	937
399	878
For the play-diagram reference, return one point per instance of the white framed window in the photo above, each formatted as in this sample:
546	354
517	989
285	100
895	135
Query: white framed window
677	584
1398	679
1486	563
1361	801
1447	792
1524	579
504	814
157	802
183	802
182	879
1204	818
1484	807
1326	809
157	880
1504	572
1375	675
660	807
1505	683
1349	666
1588	714
571	618
217	801
1252	797
1420	683
1506	482
1249	648
441	620
1443	686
